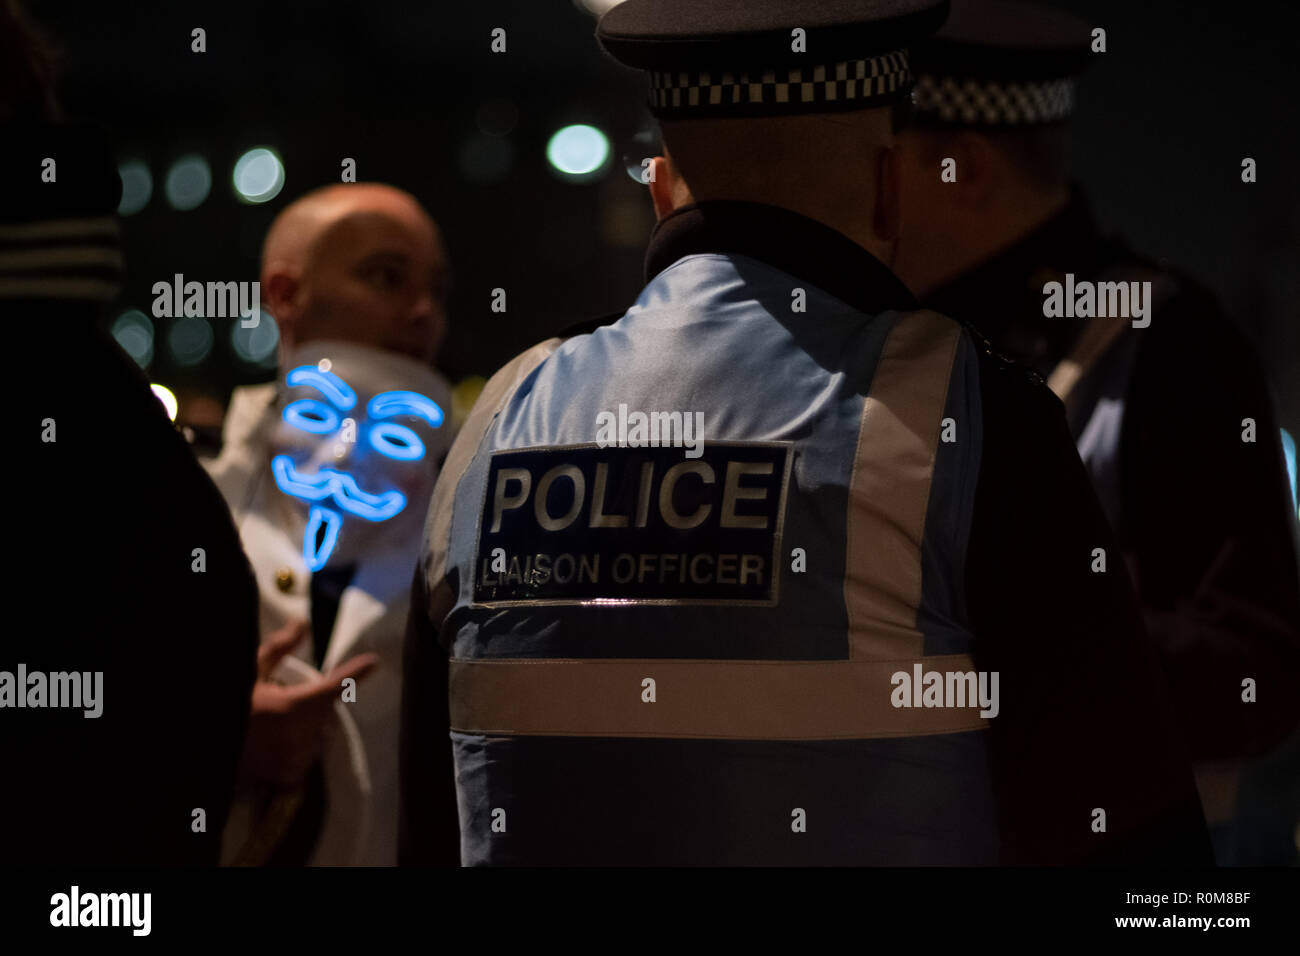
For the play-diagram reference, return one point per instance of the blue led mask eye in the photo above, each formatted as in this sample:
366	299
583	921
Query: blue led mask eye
396	441
334	493
312	416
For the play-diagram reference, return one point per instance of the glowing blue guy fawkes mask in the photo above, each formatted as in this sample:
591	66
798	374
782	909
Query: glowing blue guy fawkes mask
360	433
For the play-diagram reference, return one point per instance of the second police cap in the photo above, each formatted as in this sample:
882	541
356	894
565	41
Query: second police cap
1000	63
723	58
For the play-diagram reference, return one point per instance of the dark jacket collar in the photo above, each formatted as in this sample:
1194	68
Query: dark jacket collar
785	240
990	295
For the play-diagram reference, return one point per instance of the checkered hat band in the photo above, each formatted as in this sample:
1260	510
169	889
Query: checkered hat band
827	86
1009	104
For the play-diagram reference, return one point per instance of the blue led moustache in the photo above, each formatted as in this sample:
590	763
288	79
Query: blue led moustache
339	485
390	439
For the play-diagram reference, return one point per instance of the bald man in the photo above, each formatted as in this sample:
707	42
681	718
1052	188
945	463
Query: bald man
329	471
359	262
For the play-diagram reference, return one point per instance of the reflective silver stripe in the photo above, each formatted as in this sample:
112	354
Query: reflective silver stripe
889	491
701	699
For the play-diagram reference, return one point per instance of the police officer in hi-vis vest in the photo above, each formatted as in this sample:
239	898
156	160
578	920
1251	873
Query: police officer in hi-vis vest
1164	395
874	616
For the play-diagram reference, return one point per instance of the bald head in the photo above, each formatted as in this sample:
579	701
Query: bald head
836	168
359	262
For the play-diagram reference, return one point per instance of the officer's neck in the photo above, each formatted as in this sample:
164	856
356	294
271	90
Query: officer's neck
851	217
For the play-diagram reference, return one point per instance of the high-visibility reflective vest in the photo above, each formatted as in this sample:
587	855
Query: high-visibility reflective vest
666	651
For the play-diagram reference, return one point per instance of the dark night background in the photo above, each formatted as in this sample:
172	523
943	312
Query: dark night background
412	92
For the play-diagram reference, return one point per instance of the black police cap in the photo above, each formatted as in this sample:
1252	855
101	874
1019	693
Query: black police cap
769	57
1000	63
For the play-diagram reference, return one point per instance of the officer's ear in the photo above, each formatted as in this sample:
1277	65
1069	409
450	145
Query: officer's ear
282	297
662	177
887	219
977	168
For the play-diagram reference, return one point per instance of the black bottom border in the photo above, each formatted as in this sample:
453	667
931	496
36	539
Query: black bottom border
238	906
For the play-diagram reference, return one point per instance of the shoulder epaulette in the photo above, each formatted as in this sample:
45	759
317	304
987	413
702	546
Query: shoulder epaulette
588	326
1000	361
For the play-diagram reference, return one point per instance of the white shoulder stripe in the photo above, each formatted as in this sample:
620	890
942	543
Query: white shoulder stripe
60	256
57	287
60	228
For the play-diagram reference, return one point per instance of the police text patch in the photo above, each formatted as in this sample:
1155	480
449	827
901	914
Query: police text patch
581	523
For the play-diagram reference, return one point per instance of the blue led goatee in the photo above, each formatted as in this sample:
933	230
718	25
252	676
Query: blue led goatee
317	548
339	488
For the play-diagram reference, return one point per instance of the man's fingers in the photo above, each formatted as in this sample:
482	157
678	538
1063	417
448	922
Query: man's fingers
358	667
330	684
278	644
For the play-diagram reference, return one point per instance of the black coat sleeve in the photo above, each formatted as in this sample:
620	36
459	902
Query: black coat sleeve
1209	529
1085	721
429	828
131	555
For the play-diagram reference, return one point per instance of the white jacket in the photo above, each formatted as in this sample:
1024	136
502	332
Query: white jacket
361	762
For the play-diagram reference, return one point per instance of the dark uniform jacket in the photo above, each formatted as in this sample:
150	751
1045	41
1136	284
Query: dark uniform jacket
771	703
102	571
1205	519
